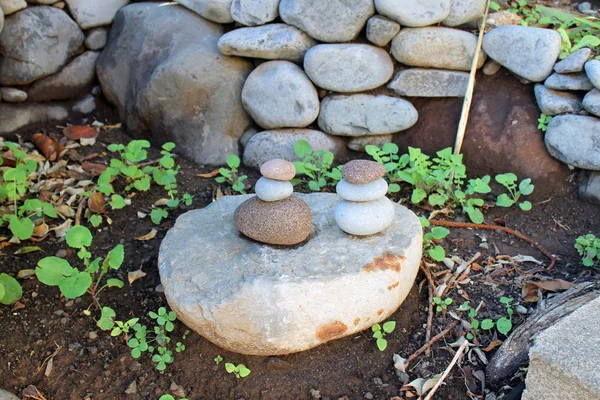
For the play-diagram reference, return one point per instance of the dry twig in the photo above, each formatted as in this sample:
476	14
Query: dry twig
432	341
461	349
431	287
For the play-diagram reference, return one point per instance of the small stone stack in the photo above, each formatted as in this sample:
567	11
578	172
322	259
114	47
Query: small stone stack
364	209
275	216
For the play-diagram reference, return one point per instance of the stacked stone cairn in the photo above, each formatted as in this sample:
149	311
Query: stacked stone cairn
274	215
364	210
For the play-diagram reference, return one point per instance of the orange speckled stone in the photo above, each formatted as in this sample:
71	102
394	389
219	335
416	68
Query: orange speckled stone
362	171
278	169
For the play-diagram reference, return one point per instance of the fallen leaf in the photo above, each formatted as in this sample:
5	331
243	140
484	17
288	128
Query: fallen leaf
48	146
492	345
150	235
400	363
521	258
41	230
555	285
88	142
133	276
31	392
17	306
416	385
61	230
96	203
141	214
161	202
25	250
77	132
49	366
211	174
25	273
65	211
93	168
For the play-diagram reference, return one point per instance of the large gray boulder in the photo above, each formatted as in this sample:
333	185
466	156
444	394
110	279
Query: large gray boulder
70	82
35	43
328	21
17	116
554	102
575	140
173	84
271	42
363	114
90	14
257	299
280	143
348	67
414	13
278	94
213	10
525	51
436	47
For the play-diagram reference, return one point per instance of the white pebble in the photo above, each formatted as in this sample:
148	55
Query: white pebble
271	190
364	218
364	192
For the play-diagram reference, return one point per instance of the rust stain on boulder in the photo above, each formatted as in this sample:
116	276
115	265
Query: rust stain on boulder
356	321
331	331
379	312
384	262
394	285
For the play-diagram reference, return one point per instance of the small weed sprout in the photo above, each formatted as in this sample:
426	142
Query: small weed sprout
218	359
433	250
380	331
543	122
168	397
471	314
441	304
503	324
588	247
509	181
230	175
316	165
240	370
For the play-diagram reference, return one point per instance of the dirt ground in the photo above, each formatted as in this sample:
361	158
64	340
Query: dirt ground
89	364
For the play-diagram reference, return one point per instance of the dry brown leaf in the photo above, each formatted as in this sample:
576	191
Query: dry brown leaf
210	174
48	146
41	230
27	250
17	306
31	392
133	276
25	273
96	203
77	132
492	345
61	230
49	366
150	235
161	202
530	289
65	211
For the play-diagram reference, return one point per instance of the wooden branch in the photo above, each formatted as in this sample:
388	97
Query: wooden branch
461	349
515	350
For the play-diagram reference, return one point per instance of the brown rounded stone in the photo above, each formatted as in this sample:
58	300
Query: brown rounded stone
283	222
278	169
362	171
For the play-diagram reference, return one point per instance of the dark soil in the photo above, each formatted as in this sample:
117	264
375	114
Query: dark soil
102	368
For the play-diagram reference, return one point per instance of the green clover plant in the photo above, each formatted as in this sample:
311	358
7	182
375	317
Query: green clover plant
524	188
240	370
380	331
588	247
543	122
441	304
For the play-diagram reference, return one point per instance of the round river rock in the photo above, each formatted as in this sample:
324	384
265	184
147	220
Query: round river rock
362	171
278	169
257	299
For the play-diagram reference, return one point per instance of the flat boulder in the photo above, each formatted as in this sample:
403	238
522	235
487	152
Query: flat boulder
213	10
436	47
418	82
280	143
328	21
173	84
233	291
270	42
363	114
575	140
414	13
554	102
525	51
35	43
568	82
278	94
348	67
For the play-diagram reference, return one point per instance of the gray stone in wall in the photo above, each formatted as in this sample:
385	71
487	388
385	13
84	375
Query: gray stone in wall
363	114
44	2
589	189
13	95
278	94
564	360
90	14
491	67
436	47
568	82
96	39
1	20
328	21
552	102
173	84
592	69
213	10
417	82
35	43
17	116
87	105
348	67
12	6
280	143
271	42
463	11
381	30
591	102
414	13
5	395
575	140
73	80
254	12
359	143
574	62
525	51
